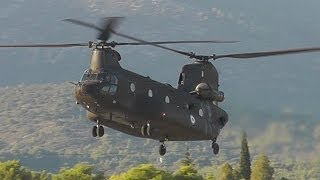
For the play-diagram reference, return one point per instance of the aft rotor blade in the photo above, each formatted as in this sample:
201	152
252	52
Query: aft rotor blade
174	42
43	45
268	53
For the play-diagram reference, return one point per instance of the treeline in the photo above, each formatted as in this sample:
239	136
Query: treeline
187	169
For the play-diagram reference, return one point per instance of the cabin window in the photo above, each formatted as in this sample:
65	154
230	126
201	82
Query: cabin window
167	99
132	87
201	112
150	93
192	119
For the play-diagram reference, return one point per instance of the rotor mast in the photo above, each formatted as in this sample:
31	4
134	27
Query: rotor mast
102	57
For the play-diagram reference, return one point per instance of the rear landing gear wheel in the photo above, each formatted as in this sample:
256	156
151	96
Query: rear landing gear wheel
94	131
144	130
162	149
100	131
215	148
149	129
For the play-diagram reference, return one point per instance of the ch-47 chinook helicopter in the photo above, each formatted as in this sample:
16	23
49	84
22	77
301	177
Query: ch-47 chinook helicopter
136	105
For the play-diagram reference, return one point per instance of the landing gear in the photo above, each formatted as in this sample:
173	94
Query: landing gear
215	148
162	149
146	130
100	131
94	131
97	130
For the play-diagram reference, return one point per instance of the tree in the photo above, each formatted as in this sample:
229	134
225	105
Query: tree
13	170
187	172
43	175
226	172
186	161
143	172
262	169
211	176
236	174
80	171
245	162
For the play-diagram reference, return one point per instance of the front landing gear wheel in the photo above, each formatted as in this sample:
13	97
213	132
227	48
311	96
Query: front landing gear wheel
94	131
100	131
215	148
162	149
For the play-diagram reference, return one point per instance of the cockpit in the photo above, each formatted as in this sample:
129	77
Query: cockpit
107	79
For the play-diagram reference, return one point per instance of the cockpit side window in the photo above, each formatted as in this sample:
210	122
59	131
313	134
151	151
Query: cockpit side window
111	85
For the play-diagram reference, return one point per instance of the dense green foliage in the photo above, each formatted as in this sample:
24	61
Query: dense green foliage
245	162
79	172
142	172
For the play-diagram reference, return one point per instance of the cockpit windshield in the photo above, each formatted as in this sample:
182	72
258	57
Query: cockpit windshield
110	81
106	77
87	76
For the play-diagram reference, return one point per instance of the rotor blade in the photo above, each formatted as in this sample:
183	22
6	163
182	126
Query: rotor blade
174	42
108	24
268	53
159	46
43	45
85	24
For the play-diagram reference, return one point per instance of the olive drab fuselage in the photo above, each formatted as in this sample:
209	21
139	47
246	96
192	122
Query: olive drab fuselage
125	101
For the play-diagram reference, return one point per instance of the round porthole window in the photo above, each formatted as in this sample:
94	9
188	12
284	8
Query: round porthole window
150	93
200	112
167	99
192	119
132	87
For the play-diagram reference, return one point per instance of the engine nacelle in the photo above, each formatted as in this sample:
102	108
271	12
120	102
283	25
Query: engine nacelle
218	96
204	91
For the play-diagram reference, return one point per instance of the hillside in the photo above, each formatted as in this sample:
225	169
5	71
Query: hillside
41	123
257	25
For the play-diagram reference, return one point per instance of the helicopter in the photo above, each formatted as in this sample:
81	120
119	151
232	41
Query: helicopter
139	106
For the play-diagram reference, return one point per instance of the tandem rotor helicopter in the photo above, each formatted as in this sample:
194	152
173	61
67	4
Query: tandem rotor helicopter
139	106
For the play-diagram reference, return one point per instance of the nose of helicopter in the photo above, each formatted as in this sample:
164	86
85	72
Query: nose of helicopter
86	88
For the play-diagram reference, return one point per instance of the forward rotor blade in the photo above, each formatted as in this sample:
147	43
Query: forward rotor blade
174	42
82	23
108	24
156	45
44	45
268	53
